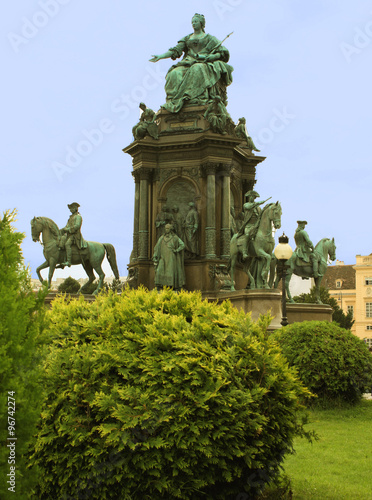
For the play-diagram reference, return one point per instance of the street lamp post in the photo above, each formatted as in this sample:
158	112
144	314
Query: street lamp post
283	252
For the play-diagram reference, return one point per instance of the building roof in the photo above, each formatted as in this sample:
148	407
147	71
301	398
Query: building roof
345	274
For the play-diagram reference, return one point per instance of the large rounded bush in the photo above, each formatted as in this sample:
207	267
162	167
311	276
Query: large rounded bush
162	395
332	362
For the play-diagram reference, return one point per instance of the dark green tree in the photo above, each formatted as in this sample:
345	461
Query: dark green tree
21	315
338	316
69	285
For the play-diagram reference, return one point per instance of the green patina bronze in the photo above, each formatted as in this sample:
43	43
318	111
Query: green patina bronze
169	260
72	233
88	253
191	236
164	217
241	132
219	119
307	261
257	261
203	72
146	124
252	214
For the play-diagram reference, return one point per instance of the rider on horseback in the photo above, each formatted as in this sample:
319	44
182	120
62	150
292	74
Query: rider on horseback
252	213
305	248
72	234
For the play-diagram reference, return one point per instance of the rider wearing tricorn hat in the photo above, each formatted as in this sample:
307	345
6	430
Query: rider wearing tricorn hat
72	233
252	212
305	248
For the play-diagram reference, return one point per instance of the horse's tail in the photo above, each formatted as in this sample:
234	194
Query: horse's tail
111	257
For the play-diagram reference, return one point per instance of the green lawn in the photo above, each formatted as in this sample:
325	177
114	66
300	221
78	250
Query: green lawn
339	465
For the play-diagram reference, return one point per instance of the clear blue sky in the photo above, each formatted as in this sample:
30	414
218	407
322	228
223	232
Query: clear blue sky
302	78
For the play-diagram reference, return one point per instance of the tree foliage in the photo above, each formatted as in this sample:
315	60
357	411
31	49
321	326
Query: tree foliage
331	361
162	395
69	285
21	314
338	316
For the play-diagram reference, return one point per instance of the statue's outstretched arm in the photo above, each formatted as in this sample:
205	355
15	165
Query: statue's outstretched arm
166	55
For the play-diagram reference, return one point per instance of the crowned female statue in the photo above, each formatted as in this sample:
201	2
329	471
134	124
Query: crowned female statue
203	72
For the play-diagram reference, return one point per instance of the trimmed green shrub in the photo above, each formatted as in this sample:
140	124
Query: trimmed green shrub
332	362
69	285
161	395
21	315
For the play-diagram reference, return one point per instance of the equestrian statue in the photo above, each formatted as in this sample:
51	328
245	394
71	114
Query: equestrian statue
307	261
253	244
67	247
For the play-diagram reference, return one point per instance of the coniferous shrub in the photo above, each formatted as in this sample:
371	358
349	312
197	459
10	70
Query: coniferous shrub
331	361
162	395
69	285
21	316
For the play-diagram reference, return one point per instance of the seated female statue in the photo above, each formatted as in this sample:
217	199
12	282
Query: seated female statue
202	74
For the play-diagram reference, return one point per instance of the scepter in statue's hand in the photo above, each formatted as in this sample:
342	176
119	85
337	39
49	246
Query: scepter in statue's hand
206	58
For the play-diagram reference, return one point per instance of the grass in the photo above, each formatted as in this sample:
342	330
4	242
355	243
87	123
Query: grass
339	465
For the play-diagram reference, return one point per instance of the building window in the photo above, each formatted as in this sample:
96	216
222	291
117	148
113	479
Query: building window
351	308
369	327
368	341
368	309
338	284
368	281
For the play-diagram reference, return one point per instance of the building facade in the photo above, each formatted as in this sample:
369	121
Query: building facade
351	286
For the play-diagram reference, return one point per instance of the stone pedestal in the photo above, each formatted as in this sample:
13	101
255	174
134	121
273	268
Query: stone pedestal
188	163
309	312
257	302
263	301
52	295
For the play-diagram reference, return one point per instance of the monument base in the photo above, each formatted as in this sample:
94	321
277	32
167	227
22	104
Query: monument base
52	295
296	313
257	302
261	302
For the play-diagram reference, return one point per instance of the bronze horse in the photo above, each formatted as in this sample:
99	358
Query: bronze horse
259	250
324	249
90	258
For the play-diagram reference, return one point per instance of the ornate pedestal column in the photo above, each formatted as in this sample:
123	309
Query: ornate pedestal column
225	211
210	230
135	251
143	226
